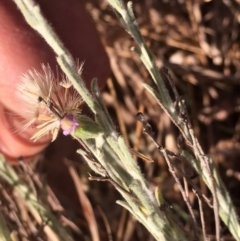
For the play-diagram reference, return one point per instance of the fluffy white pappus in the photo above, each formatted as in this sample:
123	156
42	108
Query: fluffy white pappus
49	100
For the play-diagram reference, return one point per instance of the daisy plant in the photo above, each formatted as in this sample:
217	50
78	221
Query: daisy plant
105	150
54	105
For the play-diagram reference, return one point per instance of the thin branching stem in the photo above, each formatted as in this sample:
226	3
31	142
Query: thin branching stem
205	164
197	150
201	216
185	198
148	130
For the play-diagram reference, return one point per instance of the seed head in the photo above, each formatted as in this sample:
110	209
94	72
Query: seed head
51	103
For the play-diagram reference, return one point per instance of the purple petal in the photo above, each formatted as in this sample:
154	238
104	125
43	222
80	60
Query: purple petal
69	124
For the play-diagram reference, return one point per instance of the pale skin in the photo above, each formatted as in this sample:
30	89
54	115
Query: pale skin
21	49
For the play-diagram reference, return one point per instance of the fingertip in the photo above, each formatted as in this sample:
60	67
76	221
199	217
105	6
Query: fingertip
21	49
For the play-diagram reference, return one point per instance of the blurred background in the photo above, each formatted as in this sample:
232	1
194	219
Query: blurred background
199	42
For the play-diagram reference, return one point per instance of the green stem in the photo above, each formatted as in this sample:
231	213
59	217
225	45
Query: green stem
32	13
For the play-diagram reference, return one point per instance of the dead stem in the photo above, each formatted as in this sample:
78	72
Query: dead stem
147	129
201	216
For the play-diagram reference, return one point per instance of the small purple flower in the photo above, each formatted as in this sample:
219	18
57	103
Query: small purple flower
69	124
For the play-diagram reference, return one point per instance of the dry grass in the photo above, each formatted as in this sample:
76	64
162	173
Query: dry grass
200	43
